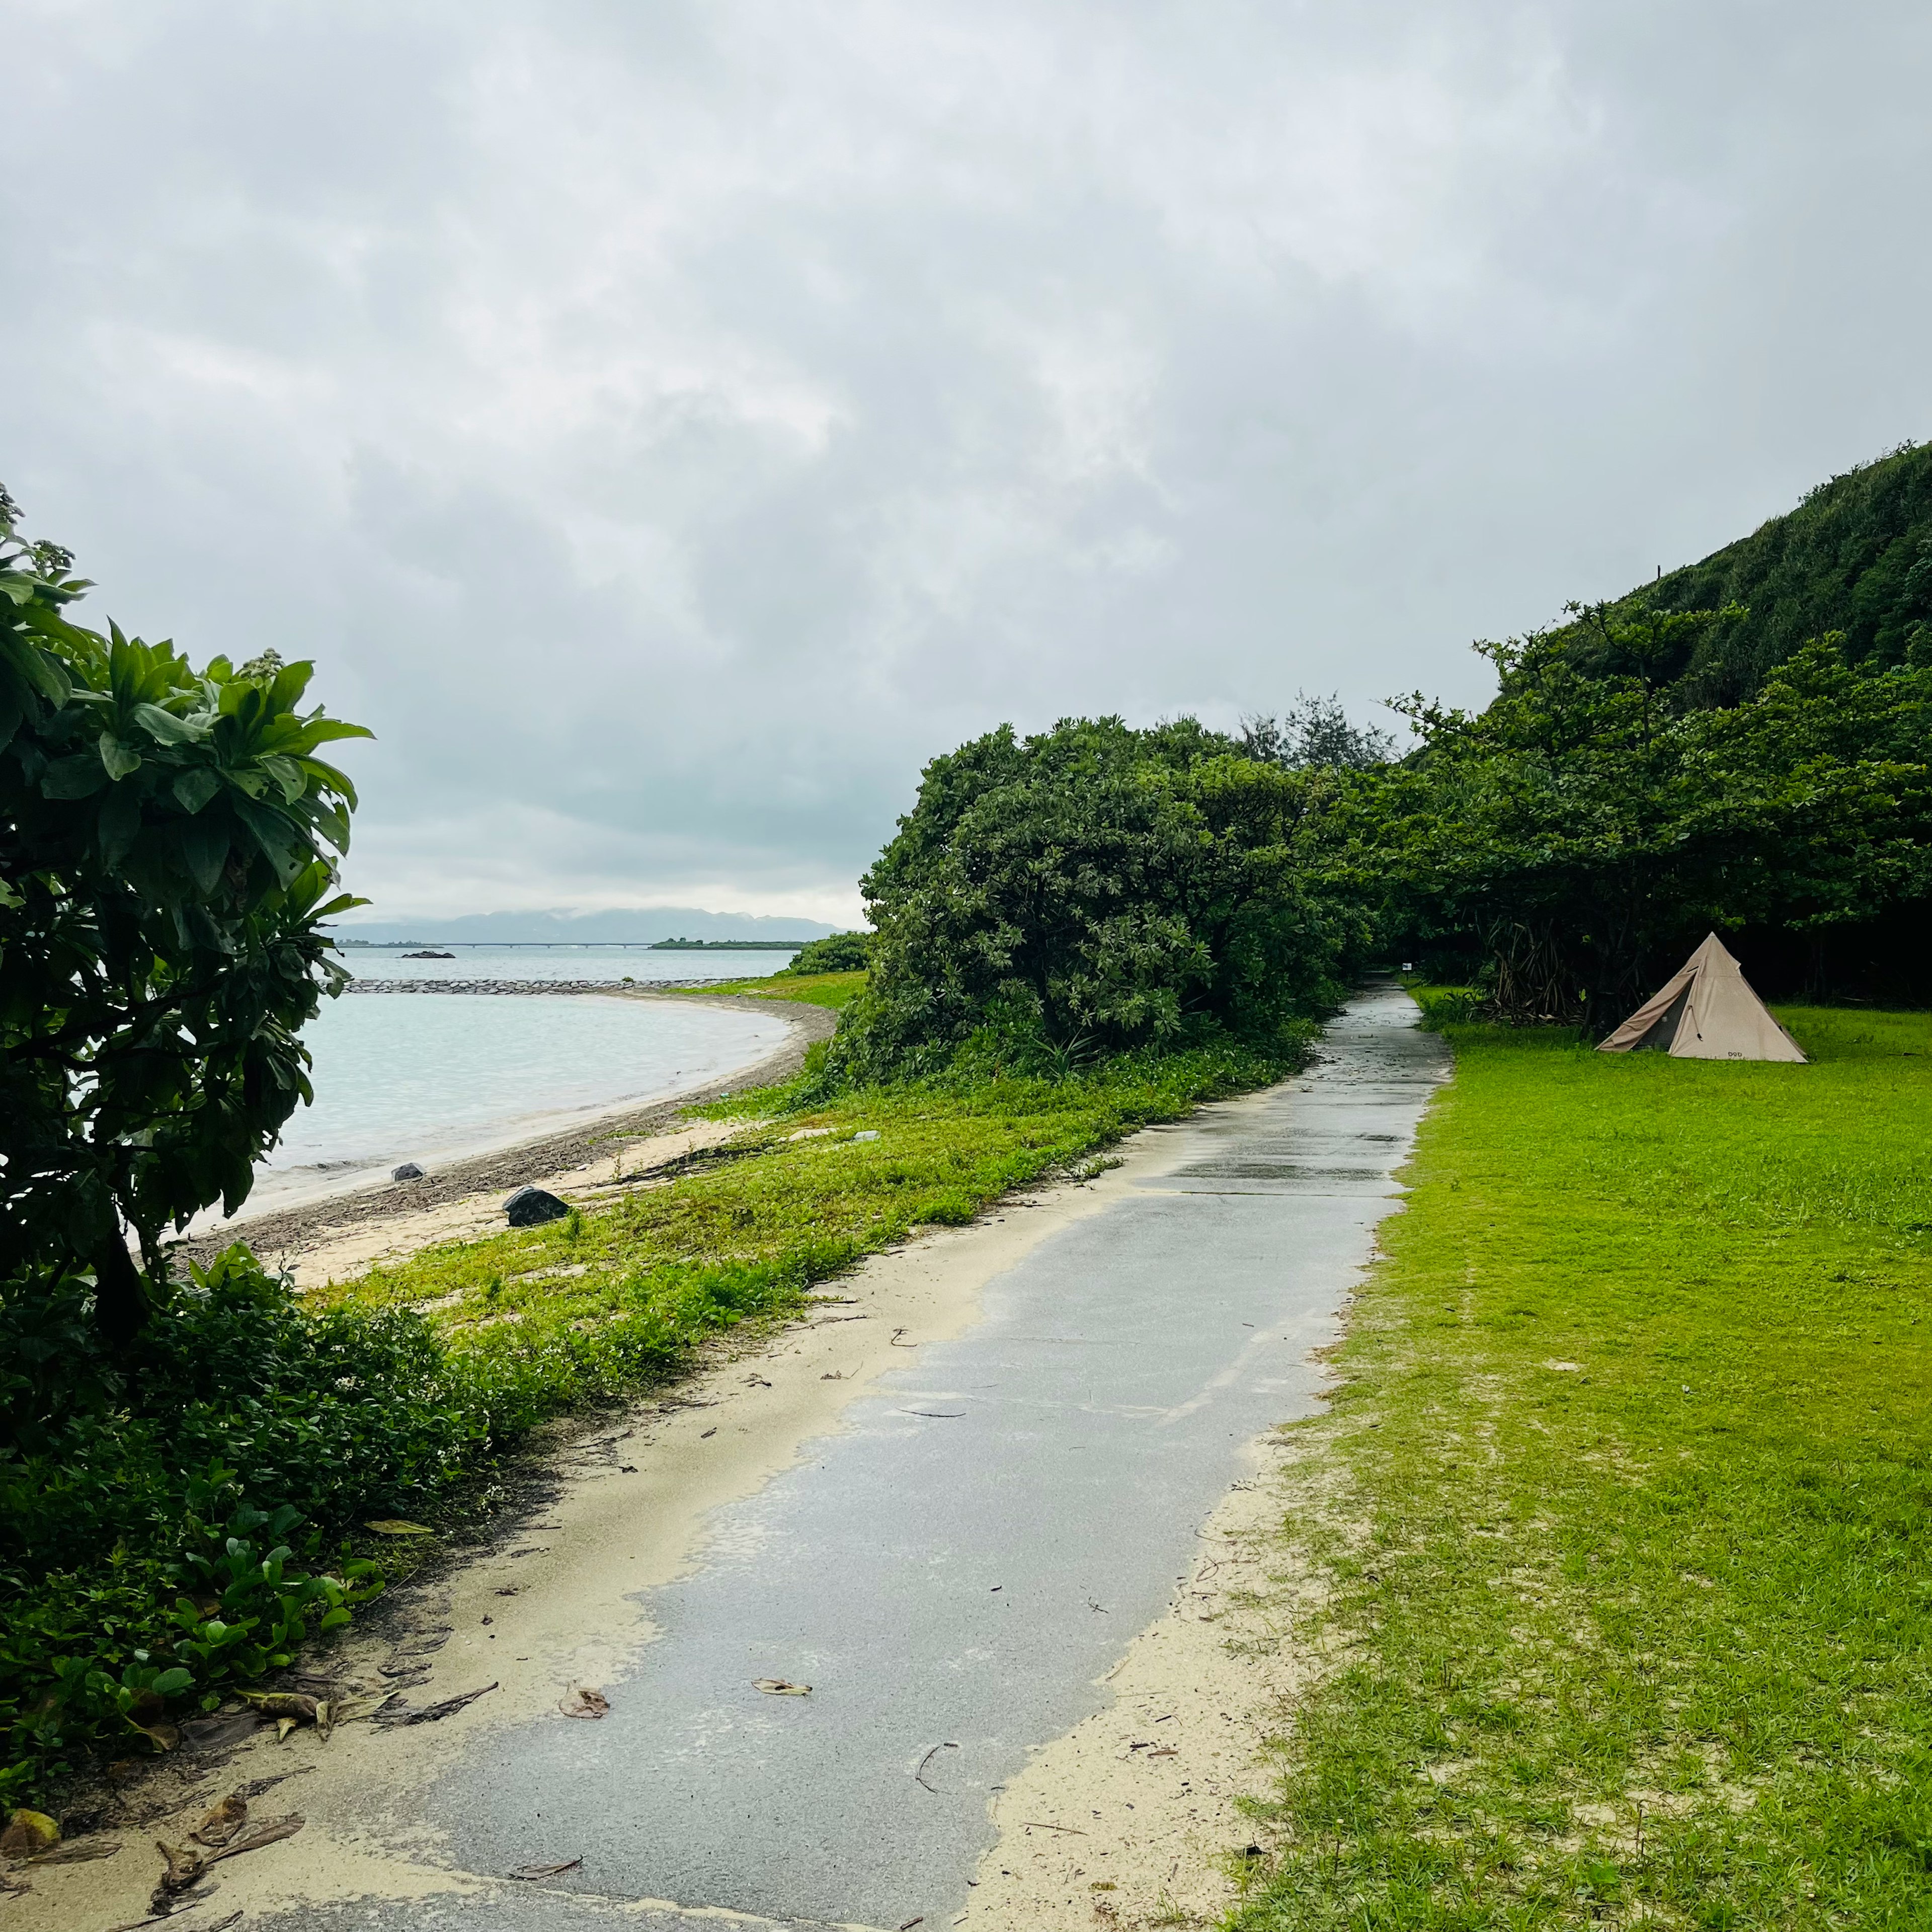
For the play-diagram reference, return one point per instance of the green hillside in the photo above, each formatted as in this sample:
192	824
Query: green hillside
1855	557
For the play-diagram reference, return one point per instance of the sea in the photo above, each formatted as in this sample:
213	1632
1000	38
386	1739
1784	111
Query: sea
435	1077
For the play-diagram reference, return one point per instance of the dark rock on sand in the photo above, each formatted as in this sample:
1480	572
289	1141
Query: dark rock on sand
531	1207
409	1171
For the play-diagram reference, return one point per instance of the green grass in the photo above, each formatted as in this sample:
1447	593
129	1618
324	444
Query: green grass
589	1305
817	989
1621	1506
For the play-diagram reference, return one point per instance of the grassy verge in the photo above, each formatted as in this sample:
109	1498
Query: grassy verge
163	1540
753	1225
1622	1506
817	989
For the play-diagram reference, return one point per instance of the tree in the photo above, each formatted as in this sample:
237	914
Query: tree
165	866
1585	828
1093	889
1315	734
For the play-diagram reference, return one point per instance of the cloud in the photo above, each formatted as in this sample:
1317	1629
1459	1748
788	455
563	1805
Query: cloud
668	427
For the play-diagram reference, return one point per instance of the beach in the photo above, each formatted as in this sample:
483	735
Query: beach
300	1213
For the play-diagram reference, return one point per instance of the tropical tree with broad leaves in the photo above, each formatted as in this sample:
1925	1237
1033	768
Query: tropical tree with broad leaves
168	846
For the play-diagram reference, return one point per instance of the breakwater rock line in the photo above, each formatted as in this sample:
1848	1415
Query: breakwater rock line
531	986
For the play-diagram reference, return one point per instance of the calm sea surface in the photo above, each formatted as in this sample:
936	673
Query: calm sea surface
433	1076
561	962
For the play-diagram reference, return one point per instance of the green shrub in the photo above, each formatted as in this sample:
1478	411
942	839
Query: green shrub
148	1524
842	952
167	837
1094	890
1446	1005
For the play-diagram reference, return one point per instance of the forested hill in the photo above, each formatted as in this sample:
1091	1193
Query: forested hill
1856	557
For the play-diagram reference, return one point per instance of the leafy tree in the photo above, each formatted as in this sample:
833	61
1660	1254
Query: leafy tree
1315	734
165	866
1093	889
1583	830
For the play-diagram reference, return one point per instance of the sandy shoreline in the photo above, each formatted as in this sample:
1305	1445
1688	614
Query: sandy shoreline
553	1597
286	1234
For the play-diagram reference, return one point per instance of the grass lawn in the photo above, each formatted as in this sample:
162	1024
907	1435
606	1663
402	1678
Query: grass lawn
1622	1506
816	989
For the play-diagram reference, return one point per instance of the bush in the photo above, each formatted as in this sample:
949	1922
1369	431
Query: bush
1446	1005
1095	890
166	843
164	1538
148	1528
842	952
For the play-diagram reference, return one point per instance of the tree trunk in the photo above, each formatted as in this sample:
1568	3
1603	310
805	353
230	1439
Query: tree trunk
1534	983
121	1304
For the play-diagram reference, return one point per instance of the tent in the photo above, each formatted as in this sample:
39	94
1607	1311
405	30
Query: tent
1707	1011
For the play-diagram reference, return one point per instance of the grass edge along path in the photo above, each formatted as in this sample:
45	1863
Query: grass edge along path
280	1420
1619	1514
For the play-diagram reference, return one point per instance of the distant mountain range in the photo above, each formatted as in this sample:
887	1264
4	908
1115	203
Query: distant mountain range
637	924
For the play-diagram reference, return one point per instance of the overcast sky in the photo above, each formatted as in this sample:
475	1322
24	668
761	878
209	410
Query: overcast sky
668	424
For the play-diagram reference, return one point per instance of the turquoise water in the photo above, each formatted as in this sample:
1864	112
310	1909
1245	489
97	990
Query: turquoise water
420	1076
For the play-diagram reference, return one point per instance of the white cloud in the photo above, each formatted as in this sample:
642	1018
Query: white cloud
669	427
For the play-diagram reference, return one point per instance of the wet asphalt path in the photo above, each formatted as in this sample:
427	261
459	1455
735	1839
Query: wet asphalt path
954	1570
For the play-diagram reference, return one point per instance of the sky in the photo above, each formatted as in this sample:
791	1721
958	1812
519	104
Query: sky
669	425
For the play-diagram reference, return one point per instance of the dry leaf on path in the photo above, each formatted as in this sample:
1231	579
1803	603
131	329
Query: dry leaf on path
545	1871
781	1686
161	1918
219	1732
84	1852
256	1786
584	1700
394	1526
282	1704
27	1832
388	1718
183	1867
270	1831
223	1822
422	1643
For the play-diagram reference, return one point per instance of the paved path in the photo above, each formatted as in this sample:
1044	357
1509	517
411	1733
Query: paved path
954	1571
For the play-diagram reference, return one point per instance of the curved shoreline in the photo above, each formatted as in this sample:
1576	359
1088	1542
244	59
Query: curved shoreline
542	1158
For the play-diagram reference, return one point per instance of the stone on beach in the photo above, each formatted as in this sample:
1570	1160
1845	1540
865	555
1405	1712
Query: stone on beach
409	1171
531	1207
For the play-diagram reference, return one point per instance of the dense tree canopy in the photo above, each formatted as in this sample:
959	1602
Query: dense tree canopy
166	844
1582	832
1095	888
1855	558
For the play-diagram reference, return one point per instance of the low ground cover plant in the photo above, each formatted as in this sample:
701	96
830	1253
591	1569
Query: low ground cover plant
1623	1505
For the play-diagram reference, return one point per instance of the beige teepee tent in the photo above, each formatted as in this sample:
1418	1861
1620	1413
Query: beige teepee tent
1707	1011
